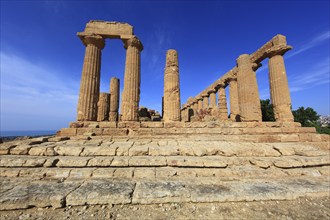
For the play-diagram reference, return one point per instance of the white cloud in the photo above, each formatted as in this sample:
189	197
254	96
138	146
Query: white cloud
317	75
312	43
35	91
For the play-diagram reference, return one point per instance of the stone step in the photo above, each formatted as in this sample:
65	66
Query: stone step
20	193
163	161
234	172
153	147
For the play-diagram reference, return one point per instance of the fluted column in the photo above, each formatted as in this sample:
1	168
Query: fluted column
131	92
222	103
114	99
248	94
205	100
199	103
172	101
278	82
233	100
184	113
213	99
103	107
90	79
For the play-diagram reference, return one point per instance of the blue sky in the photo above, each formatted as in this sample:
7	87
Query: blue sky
41	56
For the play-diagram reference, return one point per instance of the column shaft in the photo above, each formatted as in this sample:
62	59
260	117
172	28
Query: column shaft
114	99
103	107
233	100
205	101
131	92
90	79
279	89
200	104
222	103
213	100
248	94
172	101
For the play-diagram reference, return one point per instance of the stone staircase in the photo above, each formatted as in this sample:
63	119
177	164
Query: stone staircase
62	171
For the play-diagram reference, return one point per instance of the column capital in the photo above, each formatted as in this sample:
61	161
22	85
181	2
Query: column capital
229	79
133	42
245	61
204	94
211	91
199	98
96	40
277	50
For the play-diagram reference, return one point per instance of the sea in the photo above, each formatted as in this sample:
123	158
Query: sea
26	133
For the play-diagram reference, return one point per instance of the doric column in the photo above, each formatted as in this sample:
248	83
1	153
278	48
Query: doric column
248	95
213	99
233	99
184	113
222	103
131	92
205	97
199	103
278	82
172	88
90	79
114	99
195	106
103	107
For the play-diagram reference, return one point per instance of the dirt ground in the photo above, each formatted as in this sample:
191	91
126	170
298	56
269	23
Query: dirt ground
302	208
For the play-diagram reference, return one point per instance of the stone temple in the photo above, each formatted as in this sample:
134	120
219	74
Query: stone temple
98	113
198	153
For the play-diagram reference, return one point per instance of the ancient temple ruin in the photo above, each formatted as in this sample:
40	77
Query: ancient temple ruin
98	114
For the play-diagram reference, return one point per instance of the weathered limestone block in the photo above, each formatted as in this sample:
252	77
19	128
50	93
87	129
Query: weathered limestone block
42	151
95	192
108	124
67	132
181	161
278	82
103	107
164	150
140	150
120	161
152	124
109	29
90	79
100	162
145	173
20	149
131	93
147	161
99	151
103	172
70	161
38	194
160	192
114	99
68	150
172	102
123	173
249	100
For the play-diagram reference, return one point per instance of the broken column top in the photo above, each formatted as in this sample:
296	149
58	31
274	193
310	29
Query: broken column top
172	58
108	29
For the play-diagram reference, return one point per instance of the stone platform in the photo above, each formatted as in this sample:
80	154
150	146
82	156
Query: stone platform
225	131
64	171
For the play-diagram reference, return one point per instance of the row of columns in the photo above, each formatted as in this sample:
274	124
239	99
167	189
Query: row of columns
93	106
243	89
